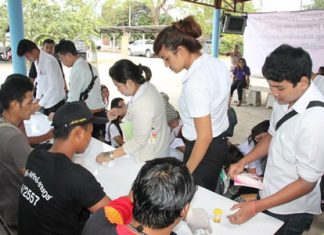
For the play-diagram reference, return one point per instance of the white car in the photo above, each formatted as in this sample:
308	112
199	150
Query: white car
141	47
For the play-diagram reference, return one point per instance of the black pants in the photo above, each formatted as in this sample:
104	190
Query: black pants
54	108
239	85
294	224
207	172
99	129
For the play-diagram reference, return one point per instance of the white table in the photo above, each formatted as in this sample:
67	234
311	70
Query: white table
38	124
117	176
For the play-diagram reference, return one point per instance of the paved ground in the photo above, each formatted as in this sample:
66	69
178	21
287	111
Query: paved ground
170	83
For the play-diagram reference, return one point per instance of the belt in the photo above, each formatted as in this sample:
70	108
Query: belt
218	138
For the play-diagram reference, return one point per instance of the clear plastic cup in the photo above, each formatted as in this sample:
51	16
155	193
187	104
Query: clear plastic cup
217	215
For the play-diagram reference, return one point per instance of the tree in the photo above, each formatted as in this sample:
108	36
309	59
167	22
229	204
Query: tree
3	23
316	4
68	19
156	6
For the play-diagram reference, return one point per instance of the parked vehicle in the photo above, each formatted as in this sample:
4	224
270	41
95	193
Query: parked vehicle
141	47
81	48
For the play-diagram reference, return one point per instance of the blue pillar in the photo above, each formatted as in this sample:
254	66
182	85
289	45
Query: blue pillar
216	32
15	13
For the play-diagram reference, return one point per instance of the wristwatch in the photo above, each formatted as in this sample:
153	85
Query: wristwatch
110	155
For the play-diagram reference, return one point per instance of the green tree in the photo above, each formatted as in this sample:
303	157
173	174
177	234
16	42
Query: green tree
3	22
114	13
316	4
70	19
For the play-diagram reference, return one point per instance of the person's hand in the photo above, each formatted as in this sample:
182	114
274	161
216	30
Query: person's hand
246	211
116	112
35	106
235	169
104	157
112	114
197	218
50	116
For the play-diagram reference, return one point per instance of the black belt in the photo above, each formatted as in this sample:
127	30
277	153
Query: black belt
222	136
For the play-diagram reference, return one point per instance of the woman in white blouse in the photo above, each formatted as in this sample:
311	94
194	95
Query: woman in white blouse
144	126
203	101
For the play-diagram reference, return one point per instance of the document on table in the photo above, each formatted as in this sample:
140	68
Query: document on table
248	180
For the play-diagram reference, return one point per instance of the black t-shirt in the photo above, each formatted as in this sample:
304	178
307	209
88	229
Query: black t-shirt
99	225
55	194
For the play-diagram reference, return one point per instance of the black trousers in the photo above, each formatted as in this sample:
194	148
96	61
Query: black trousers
54	108
207	172
294	224
239	85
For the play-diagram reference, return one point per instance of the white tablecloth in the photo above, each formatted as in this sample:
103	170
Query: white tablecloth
117	176
38	124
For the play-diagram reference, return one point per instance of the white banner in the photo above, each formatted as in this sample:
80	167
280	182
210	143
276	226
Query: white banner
266	31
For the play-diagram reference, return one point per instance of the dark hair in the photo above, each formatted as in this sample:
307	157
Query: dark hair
234	155
15	87
181	33
66	46
64	132
115	101
114	104
103	87
287	63
161	190
49	41
241	59
258	129
25	46
124	70
321	70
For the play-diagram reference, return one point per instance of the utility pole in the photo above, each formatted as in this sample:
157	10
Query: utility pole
129	15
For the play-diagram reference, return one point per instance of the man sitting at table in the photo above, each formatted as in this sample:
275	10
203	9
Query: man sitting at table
161	194
16	101
57	194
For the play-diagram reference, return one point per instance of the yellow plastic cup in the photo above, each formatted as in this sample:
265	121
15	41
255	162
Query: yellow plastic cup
217	215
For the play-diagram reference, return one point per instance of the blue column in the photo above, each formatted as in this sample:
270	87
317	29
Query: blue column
216	32
15	13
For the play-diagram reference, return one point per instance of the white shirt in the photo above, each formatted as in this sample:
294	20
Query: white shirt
80	78
146	113
206	88
319	82
50	82
111	132
247	147
296	150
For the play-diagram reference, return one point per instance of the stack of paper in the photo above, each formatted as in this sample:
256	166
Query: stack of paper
248	180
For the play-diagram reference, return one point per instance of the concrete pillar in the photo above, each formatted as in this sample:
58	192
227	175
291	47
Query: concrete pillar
15	13
216	32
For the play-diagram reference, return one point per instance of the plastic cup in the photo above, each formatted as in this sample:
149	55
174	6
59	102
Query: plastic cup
217	215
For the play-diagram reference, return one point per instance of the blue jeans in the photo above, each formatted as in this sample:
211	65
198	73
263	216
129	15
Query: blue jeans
294	224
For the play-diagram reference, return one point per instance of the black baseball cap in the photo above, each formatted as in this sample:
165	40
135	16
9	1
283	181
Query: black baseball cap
75	113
